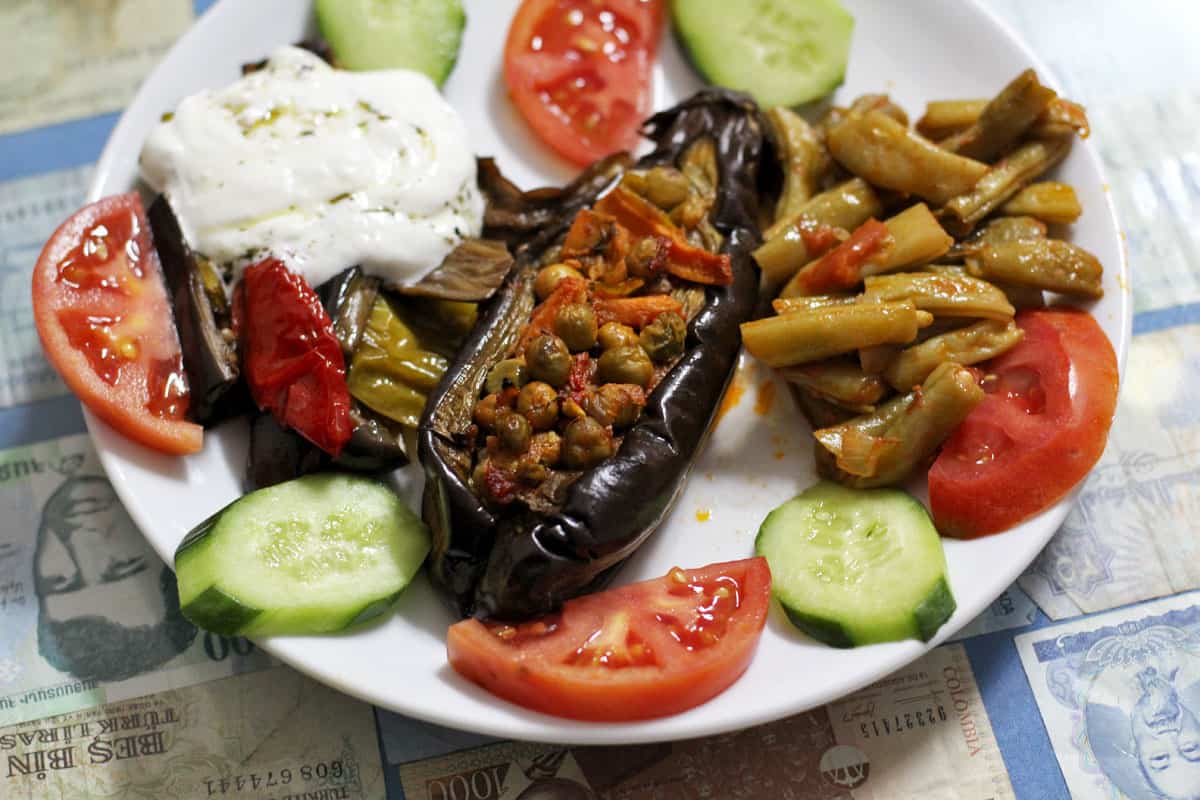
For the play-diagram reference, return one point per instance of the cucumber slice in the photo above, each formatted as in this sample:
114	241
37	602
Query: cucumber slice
857	566
312	555
783	52
423	35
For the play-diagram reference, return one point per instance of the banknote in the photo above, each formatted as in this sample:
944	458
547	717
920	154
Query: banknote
88	613
1120	696
30	210
78	58
269	735
1012	609
920	733
1135	532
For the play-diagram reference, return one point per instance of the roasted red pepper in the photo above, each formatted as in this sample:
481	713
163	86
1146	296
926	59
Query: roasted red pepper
684	260
292	361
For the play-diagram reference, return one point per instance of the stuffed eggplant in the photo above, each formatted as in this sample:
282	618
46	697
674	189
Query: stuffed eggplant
564	430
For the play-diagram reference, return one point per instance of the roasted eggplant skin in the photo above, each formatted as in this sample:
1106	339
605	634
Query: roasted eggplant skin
201	311
513	563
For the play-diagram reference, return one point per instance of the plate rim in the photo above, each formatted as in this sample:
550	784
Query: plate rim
574	732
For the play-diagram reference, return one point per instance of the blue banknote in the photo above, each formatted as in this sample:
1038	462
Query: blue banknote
30	210
1132	535
1120	696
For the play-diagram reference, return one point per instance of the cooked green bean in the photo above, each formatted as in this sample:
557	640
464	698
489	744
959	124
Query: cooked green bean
1062	118
941	294
855	444
845	206
1002	181
802	157
782	305
999	229
1003	120
874	360
800	337
943	118
1051	265
788	242
881	103
871	454
819	412
839	381
946	117
1049	201
885	153
985	339
917	239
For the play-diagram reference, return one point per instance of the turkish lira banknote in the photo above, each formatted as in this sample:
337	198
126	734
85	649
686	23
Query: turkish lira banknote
1120	696
920	733
30	210
88	612
78	58
1135	532
269	735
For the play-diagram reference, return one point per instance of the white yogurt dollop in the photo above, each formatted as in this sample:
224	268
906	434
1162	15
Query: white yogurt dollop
321	168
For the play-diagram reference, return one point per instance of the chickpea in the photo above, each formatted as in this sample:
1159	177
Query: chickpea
532	472
485	411
666	187
513	431
548	359
538	403
586	443
625	365
575	324
546	447
548	277
663	338
642	260
614	334
616	404
506	373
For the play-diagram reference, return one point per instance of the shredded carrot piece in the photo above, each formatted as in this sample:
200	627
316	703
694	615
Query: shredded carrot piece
684	260
567	292
636	312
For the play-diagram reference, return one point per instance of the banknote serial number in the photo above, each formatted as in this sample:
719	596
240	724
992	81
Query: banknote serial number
254	781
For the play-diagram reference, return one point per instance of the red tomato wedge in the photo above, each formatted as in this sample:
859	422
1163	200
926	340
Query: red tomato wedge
579	71
292	360
635	652
1039	431
101	310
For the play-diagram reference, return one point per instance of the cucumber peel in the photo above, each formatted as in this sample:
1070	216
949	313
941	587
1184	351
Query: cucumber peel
783	52
856	566
311	555
422	35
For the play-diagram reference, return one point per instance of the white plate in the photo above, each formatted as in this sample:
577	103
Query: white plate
916	51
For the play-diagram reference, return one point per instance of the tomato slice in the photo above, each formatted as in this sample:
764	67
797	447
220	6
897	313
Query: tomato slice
102	313
635	652
579	71
1039	431
290	355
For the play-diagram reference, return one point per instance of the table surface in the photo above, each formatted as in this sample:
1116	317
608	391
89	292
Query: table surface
1064	664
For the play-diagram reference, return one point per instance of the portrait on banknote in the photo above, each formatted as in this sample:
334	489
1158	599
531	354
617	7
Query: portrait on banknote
1124	702
90	556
